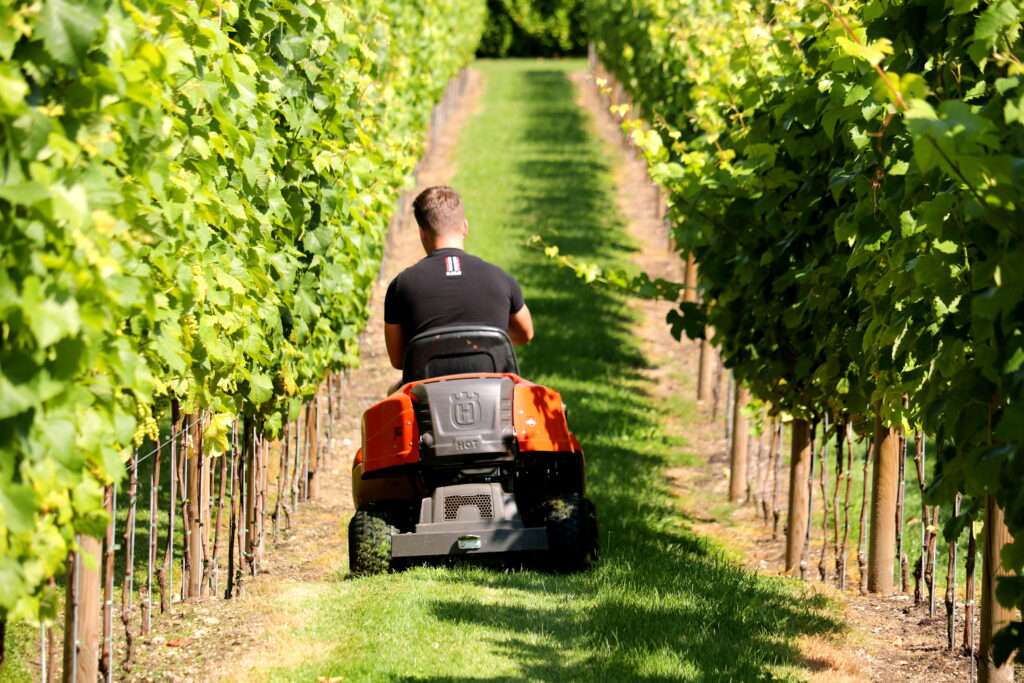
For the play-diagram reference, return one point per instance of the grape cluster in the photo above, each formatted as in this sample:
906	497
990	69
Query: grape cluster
227	384
146	425
288	384
189	331
200	280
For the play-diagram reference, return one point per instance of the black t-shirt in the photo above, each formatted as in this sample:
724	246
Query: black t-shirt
451	287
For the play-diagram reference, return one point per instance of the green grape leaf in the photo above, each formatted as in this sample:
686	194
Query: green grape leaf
68	28
18	504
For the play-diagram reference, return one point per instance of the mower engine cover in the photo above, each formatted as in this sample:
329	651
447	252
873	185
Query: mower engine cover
464	418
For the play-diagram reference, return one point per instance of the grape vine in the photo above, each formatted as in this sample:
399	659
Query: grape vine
848	175
193	198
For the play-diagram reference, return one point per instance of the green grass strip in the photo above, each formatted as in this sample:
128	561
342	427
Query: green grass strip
661	604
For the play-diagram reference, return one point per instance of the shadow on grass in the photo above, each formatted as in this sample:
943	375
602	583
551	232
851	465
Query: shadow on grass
658	589
660	604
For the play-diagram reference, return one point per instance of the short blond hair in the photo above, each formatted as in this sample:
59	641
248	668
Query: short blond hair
438	210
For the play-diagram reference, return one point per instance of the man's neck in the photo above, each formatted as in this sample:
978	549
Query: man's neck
447	244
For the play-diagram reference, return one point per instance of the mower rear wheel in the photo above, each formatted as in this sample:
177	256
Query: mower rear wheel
572	532
369	539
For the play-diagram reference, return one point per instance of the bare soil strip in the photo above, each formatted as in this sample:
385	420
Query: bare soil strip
889	638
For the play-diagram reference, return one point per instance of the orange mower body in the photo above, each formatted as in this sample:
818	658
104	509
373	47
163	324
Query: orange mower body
456	464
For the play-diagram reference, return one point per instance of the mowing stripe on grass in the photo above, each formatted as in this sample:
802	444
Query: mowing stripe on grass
661	604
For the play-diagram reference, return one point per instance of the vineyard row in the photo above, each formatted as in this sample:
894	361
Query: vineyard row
839	176
193	204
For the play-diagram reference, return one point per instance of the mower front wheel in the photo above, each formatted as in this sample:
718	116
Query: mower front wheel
369	539
572	532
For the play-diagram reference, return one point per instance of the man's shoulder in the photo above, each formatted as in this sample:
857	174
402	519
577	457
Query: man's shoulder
487	265
417	267
447	262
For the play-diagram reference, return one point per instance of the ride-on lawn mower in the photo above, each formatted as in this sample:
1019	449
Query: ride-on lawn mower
467	458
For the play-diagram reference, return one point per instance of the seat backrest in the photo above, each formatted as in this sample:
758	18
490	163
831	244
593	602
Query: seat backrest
457	350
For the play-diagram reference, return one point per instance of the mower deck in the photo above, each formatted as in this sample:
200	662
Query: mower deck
468	538
468	519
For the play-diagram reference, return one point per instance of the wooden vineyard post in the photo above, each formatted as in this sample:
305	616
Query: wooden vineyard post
154	490
776	456
950	597
82	615
206	480
128	583
884	485
919	568
251	514
769	468
862	560
690	281
313	439
806	552
225	474
799	468
823	481
730	401
236	522
51	644
901	486
740	431
194	495
293	482
706	368
164	573
841	558
929	567
106	649
993	615
282	476
186	515
969	594
261	508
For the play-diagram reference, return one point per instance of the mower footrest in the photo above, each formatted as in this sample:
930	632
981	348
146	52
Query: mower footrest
463	539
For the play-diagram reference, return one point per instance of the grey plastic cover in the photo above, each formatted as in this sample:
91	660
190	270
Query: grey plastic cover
469	416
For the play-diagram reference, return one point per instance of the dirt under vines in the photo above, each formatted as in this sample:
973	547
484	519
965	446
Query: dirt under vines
889	638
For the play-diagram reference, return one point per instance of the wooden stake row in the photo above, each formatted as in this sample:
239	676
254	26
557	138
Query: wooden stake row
882	543
219	497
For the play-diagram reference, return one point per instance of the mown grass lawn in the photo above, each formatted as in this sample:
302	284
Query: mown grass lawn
661	604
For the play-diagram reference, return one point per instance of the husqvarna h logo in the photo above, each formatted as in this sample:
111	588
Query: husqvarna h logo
465	408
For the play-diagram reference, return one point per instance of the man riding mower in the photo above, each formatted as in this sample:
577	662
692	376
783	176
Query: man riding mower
468	459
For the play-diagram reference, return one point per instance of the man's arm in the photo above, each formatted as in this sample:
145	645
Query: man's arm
395	341
520	326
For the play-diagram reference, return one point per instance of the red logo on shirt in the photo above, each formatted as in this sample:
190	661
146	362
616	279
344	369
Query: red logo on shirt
452	266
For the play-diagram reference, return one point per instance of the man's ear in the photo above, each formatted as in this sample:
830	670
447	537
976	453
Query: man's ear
465	227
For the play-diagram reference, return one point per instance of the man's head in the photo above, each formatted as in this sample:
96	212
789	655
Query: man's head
439	214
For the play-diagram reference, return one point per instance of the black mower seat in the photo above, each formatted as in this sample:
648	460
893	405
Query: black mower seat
458	350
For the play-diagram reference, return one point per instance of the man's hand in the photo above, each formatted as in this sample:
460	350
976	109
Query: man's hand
394	339
520	326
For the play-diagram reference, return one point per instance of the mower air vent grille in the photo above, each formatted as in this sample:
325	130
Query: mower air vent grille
481	501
